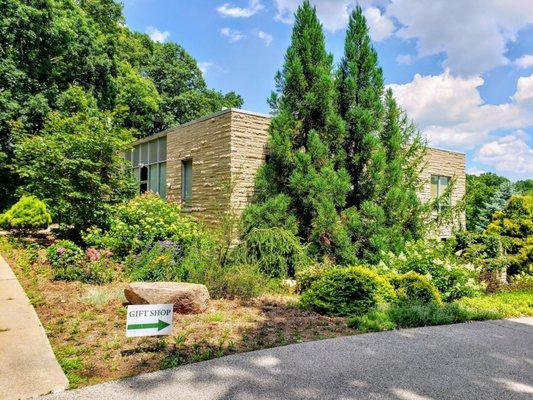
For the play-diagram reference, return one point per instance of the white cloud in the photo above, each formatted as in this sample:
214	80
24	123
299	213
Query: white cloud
405	59
508	153
228	10
233	35
525	61
524	89
475	171
380	26
265	37
452	114
204	66
472	34
156	35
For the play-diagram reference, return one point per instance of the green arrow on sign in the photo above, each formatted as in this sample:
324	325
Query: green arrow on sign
159	325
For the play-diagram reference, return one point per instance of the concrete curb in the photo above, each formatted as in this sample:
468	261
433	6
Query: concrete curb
28	367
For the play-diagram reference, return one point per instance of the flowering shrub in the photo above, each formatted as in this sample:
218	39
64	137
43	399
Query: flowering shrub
162	261
66	259
142	221
450	276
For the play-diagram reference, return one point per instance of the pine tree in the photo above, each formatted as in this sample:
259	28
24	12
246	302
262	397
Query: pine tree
360	87
404	151
304	173
497	203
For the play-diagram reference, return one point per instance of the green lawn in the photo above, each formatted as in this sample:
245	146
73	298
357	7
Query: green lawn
508	304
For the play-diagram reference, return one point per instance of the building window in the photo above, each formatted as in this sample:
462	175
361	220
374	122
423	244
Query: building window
143	182
439	191
148	164
186	181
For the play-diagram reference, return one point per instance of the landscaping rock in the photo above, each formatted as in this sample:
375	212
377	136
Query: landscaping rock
188	298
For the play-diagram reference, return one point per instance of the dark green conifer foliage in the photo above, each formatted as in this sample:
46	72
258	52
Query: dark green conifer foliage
306	144
360	88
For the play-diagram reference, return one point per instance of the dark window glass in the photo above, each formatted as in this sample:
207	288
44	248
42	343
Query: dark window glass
143	188
186	181
144	174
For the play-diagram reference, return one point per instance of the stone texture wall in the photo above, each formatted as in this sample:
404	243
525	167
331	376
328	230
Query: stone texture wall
249	135
450	164
228	147
207	142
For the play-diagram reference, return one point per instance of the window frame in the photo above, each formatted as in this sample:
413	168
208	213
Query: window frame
186	182
440	201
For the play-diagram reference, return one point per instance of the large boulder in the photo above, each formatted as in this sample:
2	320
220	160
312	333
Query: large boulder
188	298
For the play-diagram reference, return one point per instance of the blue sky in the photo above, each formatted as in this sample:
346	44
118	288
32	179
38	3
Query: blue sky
462	69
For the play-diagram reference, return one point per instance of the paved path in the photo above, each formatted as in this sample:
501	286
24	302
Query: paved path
28	366
482	360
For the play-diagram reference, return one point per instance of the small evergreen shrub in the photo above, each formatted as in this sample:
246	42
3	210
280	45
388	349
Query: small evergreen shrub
277	252
414	288
347	291
29	213
273	212
374	321
144	220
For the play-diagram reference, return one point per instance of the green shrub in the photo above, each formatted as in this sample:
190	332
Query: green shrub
29	213
161	262
414	288
413	315
374	321
453	278
144	220
99	272
277	252
521	281
241	281
347	291
273	212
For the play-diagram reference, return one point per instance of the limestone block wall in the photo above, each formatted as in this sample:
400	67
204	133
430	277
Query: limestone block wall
249	136
207	141
450	164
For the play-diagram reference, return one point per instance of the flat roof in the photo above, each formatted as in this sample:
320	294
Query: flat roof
204	118
240	111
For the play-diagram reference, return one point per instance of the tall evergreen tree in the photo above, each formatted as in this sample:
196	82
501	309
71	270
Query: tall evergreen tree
304	177
360	87
404	151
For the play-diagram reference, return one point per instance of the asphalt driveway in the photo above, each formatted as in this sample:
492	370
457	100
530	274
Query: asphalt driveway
482	360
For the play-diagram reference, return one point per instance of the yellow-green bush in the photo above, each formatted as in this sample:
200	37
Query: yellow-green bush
28	213
414	288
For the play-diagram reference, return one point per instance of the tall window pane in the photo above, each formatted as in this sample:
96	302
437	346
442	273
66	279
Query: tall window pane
434	186
163	180
163	148
153	152
154	178
186	181
144	153
135	157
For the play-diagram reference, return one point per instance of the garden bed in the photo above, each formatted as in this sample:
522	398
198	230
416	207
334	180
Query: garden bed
86	326
86	323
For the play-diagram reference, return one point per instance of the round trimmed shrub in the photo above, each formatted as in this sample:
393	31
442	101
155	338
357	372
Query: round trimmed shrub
414	288
347	291
27	214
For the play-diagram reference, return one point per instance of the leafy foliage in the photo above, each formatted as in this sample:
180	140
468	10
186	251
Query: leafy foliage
347	291
514	224
479	190
452	277
496	203
162	262
143	221
414	288
28	213
76	167
47	46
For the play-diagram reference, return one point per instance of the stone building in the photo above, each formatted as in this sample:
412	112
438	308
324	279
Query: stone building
209	164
